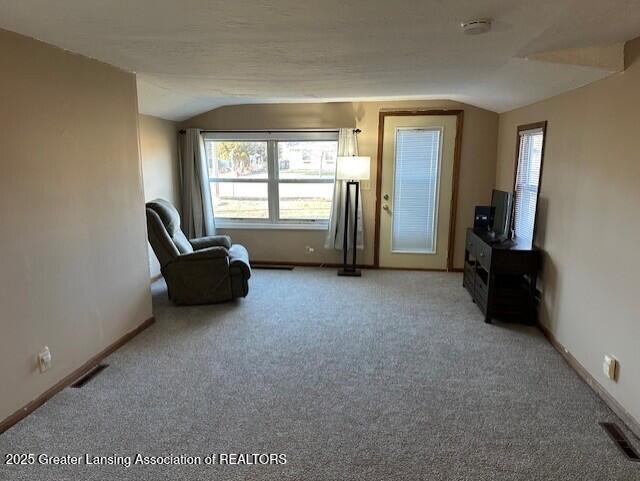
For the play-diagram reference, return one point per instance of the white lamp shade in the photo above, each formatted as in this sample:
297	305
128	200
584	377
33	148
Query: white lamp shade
353	168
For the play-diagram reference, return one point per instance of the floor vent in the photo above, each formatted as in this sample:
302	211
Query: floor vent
621	441
90	375
278	267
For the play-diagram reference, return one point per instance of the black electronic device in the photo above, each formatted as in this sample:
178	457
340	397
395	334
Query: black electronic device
502	202
483	218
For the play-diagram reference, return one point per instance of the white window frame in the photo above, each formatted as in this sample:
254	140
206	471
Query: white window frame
273	178
523	131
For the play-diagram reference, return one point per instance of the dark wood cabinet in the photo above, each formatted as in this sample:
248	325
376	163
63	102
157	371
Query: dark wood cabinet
501	277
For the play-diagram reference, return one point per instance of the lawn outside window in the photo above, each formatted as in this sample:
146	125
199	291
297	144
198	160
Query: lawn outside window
272	180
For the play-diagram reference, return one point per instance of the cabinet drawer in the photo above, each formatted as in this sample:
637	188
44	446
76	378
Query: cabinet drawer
484	254
472	243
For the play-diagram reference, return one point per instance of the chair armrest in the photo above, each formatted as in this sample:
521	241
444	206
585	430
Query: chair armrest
239	260
211	241
204	254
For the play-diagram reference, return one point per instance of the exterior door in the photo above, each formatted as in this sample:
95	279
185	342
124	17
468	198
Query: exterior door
418	156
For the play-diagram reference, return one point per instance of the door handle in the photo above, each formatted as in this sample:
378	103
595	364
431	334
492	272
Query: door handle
386	207
385	196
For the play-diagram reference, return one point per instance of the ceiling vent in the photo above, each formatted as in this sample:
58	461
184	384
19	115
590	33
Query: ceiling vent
477	26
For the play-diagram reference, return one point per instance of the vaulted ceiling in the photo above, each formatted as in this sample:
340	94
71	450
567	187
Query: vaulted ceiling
195	55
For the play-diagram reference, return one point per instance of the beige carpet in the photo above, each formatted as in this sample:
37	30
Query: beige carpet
393	376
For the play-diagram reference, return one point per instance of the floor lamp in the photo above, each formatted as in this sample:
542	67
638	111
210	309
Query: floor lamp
352	169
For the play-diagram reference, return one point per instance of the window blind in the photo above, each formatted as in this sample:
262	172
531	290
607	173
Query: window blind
528	183
415	195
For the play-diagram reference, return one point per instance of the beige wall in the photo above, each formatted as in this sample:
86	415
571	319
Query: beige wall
589	224
74	270
159	152
477	174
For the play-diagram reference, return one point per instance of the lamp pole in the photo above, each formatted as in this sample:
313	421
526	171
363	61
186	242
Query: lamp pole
351	270
351	170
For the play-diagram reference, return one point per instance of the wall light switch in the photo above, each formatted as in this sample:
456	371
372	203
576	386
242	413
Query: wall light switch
610	367
44	359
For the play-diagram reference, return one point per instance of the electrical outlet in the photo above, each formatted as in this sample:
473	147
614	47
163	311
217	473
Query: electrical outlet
309	249
365	185
44	359
610	367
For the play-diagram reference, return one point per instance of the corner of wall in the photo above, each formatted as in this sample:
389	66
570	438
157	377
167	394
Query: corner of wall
631	52
158	141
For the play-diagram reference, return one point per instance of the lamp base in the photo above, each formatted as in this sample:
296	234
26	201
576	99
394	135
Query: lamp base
350	272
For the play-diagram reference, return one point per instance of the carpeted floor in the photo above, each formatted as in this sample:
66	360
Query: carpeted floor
393	376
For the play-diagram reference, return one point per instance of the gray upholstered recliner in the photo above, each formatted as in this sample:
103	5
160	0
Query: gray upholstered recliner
198	271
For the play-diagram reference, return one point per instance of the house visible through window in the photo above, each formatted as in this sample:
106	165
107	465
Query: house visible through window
271	178
527	183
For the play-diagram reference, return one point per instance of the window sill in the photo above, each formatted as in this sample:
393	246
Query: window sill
230	225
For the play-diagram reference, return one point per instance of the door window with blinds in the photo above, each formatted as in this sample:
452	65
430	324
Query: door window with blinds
527	182
415	190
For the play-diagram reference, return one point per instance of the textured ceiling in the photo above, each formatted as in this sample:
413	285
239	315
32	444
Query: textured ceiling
194	55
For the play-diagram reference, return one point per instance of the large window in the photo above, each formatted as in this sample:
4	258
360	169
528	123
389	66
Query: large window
271	179
527	182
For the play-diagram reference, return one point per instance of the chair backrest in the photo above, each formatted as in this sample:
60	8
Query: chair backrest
163	228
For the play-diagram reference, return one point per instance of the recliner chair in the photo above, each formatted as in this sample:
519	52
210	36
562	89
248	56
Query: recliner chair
197	271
